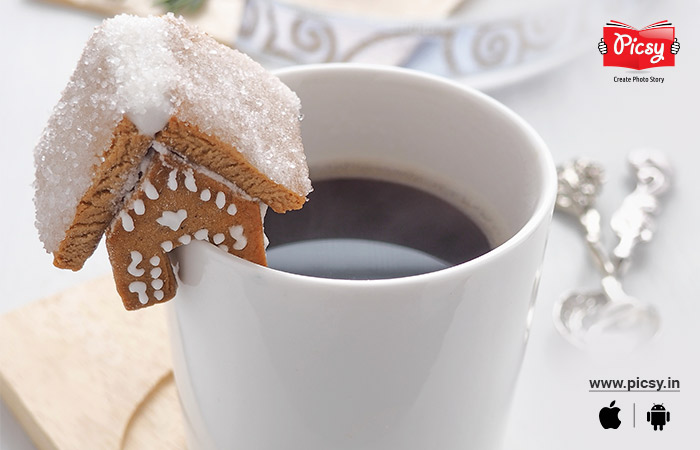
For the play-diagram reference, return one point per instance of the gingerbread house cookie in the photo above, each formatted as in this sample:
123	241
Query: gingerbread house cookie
163	135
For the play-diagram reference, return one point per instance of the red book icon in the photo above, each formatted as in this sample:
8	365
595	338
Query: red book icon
639	49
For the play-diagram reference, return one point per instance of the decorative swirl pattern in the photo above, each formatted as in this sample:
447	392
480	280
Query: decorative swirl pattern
297	39
310	35
280	31
494	46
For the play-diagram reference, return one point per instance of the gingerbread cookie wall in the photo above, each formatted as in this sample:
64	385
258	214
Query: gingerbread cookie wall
175	203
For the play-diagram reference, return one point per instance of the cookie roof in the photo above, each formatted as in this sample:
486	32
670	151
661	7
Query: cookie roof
150	69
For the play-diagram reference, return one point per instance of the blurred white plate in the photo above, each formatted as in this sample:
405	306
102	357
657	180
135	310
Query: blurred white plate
484	43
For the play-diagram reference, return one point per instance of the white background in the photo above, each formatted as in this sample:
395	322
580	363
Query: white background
578	110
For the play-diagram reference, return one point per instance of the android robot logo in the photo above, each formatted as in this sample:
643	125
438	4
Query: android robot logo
658	416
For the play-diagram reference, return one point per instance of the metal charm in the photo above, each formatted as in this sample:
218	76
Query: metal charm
609	314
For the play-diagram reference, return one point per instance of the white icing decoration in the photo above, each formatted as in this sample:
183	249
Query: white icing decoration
266	241
186	239
205	195
223	247
153	119
172	180
133	268
155	272
160	148
236	232
189	181
154	261
158	295
218	238
167	246
232	210
172	219
150	190
220	200
127	221
157	283
140	288
139	207
202	234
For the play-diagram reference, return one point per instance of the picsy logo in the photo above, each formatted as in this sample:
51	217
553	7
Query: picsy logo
653	46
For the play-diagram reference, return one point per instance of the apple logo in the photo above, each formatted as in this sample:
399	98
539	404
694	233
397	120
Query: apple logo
608	416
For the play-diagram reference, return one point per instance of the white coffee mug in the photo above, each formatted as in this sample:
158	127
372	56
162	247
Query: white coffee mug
268	360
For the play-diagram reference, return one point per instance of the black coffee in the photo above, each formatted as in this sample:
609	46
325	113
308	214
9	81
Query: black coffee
358	228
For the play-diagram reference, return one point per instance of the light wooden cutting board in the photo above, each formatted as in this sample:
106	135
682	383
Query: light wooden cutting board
80	372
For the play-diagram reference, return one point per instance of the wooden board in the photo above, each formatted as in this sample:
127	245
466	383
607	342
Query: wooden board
80	372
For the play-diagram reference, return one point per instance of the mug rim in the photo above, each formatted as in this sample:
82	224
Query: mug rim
542	210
